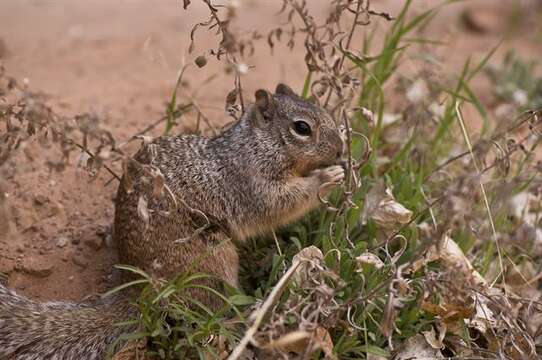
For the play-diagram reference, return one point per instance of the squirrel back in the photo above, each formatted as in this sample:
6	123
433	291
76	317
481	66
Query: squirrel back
182	203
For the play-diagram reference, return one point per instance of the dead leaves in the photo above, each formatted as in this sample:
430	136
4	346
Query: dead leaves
462	302
301	342
280	333
417	348
142	210
307	261
369	259
450	254
389	213
185	4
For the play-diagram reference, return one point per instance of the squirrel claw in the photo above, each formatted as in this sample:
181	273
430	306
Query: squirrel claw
330	175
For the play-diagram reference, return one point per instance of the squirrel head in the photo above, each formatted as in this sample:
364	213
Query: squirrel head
309	135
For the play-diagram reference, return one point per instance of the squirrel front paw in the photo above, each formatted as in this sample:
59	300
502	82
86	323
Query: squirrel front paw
329	177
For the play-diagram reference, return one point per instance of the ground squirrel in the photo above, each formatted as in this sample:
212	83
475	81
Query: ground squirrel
265	171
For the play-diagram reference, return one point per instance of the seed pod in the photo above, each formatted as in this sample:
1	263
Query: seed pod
201	61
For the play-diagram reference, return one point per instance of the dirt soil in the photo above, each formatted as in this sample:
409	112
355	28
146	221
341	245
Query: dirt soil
119	59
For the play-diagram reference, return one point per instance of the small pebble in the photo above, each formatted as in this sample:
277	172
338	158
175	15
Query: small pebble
79	260
40	199
37	266
62	241
94	242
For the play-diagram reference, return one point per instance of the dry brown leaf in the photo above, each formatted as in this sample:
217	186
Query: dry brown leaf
298	342
295	341
220	345
417	348
231	98
449	313
324	342
158	184
145	139
478	315
432	339
371	259
307	259
389	213
142	210
484	318
451	256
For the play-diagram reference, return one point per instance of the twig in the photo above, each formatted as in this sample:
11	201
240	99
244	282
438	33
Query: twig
412	220
178	113
92	155
527	116
348	41
88	152
259	313
483	189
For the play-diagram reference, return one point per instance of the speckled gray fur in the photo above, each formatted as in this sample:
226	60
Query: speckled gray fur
254	177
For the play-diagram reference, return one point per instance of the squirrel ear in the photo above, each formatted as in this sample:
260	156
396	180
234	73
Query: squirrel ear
283	89
264	103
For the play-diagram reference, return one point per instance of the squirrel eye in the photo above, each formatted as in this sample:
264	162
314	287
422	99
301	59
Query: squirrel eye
302	128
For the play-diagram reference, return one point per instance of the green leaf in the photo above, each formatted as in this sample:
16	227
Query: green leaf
134	270
375	350
165	293
124	286
242	299
307	85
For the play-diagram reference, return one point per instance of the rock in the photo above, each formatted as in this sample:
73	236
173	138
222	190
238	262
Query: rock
94	242
62	241
37	266
76	240
57	209
80	260
40	199
24	218
7	266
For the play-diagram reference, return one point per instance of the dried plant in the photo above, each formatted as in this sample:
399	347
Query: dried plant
425	244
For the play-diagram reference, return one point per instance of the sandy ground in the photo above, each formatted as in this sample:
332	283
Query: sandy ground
119	59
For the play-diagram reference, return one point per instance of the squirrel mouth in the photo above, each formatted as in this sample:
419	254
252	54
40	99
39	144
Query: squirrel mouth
304	169
325	164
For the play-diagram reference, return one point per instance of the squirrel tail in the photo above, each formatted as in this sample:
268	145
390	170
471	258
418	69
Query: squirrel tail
56	330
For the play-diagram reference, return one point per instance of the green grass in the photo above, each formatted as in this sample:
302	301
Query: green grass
177	326
517	81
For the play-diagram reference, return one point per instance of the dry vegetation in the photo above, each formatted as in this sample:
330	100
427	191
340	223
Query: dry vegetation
431	247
